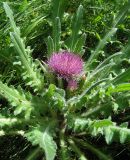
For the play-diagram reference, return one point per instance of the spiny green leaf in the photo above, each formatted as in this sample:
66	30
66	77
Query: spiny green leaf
100	46
56	34
76	25
9	14
44	139
30	73
113	57
50	46
101	72
20	100
119	88
108	135
79	45
92	86
123	136
105	127
48	145
123	77
54	97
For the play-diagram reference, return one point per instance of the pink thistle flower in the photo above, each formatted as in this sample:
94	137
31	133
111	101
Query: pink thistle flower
66	64
72	85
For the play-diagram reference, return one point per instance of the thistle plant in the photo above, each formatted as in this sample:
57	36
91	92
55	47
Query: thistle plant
65	100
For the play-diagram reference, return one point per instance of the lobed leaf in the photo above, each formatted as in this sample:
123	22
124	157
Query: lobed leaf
44	139
76	25
18	99
30	73
105	127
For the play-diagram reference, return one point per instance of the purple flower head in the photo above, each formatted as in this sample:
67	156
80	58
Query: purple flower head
66	64
72	85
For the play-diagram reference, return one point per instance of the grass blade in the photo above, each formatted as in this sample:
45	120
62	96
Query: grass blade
102	43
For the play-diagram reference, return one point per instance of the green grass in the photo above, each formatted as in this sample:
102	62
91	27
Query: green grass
103	98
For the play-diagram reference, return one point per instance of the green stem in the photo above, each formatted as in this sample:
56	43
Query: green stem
60	83
92	111
64	155
34	154
77	150
87	145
